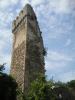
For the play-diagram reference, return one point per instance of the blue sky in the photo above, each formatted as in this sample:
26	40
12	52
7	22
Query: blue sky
57	22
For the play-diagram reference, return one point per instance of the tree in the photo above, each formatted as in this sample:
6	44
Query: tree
8	87
2	67
71	84
41	90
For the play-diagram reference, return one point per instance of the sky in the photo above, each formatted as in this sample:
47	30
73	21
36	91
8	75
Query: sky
56	19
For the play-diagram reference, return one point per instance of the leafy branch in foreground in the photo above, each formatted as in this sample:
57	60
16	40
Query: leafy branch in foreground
2	67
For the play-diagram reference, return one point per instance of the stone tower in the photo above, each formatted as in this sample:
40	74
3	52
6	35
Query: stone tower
28	48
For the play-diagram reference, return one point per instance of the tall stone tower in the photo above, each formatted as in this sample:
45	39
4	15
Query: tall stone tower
28	48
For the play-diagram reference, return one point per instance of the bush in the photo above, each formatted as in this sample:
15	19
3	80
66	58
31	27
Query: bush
8	87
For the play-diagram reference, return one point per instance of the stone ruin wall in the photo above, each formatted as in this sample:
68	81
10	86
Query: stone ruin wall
27	57
18	64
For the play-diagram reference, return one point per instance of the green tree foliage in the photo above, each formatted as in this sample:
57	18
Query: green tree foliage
61	84
71	84
8	87
2	67
41	90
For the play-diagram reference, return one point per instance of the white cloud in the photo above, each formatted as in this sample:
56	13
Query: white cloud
54	65
56	56
37	2
5	33
5	42
6	3
59	6
62	6
68	42
5	59
24	2
5	19
50	24
65	77
71	4
51	15
57	60
57	65
34	3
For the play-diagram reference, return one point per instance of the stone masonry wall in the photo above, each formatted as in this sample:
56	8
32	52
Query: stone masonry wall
18	64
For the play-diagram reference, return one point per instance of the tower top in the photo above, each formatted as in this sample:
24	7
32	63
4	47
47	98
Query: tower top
27	11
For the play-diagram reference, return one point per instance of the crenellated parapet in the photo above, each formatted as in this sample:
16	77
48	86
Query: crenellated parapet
26	12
